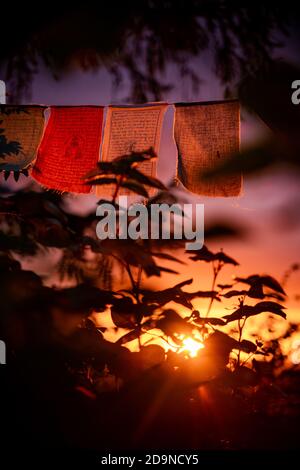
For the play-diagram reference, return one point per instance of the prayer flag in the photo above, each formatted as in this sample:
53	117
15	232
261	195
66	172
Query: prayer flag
207	134
70	148
132	128
21	129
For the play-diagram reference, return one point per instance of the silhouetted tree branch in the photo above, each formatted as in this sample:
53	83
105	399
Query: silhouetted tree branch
140	39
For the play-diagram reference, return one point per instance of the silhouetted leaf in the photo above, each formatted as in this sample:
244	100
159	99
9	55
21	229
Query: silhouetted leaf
135	187
204	254
256	291
145	179
101	181
209	321
124	167
257	280
202	294
131	336
16	176
167	256
272	307
221	230
220	256
122	320
163	269
175	294
183	283
234	293
172	323
248	346
220	343
124	313
248	311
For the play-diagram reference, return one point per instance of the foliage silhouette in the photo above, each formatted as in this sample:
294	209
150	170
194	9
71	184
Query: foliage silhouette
8	147
140	39
56	328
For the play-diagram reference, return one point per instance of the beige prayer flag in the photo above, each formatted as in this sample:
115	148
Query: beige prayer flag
206	135
21	130
132	128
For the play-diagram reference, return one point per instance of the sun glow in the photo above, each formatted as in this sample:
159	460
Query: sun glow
191	346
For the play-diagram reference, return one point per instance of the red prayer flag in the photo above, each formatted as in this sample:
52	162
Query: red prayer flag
70	148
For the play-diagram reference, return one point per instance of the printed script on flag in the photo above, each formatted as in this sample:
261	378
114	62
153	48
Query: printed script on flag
70	148
21	130
207	134
132	128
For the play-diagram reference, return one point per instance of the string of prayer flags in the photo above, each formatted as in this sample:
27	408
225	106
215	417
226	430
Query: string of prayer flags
206	135
70	148
21	130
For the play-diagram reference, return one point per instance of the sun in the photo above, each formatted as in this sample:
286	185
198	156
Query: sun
191	346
